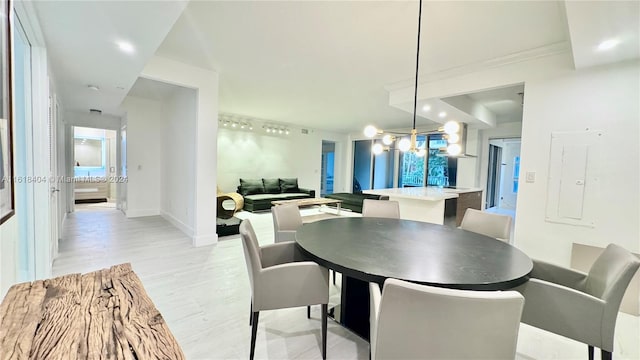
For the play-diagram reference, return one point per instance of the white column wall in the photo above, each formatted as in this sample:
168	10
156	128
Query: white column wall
205	82
178	164
145	119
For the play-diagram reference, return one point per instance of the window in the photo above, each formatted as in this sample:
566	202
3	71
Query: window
411	169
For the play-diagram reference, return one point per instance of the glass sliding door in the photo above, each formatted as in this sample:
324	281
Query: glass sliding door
411	172
362	165
383	169
327	167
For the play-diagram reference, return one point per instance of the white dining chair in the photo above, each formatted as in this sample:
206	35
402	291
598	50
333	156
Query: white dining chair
380	208
410	321
278	281
286	220
493	225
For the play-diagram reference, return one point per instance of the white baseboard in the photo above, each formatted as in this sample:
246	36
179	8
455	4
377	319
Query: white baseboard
188	230
204	240
141	212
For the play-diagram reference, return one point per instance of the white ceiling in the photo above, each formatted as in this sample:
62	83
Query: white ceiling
152	90
322	64
81	41
325	64
505	102
591	22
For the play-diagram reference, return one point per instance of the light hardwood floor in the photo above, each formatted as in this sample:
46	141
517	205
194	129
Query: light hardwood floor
203	293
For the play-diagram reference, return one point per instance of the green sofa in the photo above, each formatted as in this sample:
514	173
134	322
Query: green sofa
353	202
259	193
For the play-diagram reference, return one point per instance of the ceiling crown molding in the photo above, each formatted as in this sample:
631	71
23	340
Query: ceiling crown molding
526	55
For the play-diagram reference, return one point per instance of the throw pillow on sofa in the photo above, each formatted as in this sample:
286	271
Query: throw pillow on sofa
271	186
289	185
251	186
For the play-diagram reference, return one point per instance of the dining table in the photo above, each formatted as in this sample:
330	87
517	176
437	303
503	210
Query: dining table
367	249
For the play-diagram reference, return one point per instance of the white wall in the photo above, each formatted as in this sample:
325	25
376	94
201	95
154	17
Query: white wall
256	154
605	99
8	254
145	120
90	120
178	160
205	82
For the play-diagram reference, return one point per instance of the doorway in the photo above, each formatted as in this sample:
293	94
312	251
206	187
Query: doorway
94	168
327	167
503	175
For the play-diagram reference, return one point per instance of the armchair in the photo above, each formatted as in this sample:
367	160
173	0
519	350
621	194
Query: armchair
278	282
580	306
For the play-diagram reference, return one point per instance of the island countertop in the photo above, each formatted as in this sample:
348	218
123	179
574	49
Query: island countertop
422	193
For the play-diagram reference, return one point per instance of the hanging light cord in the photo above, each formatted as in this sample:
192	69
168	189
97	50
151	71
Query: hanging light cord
415	93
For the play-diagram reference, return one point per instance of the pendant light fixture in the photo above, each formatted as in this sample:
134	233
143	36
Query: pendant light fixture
408	142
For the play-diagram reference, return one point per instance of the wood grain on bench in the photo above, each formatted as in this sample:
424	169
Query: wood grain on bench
105	314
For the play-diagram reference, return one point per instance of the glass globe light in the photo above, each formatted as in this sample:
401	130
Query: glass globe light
451	127
453	138
387	139
377	149
370	131
454	149
404	144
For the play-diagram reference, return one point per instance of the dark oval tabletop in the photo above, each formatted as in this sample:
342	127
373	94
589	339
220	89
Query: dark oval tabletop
373	249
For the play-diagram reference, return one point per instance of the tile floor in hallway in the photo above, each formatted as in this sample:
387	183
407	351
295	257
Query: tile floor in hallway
203	293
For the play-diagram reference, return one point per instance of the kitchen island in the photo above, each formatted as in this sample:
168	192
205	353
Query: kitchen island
428	204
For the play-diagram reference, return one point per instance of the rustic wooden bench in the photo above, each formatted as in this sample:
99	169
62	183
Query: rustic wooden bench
105	314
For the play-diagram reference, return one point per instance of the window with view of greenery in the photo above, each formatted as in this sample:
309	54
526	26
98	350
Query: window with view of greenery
412	167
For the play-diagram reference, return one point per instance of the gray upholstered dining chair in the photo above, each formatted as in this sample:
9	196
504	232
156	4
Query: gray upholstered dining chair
286	220
410	321
380	208
278	281
580	306
493	225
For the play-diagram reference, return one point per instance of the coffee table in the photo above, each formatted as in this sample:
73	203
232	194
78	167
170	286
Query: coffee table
310	202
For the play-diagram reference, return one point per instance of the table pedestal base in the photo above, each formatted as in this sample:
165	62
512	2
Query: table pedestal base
354	310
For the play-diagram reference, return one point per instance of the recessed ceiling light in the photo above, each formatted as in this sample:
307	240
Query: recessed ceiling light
126	47
608	44
93	87
426	108
442	114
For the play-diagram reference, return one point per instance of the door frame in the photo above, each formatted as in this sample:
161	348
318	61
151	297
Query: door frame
39	209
